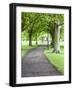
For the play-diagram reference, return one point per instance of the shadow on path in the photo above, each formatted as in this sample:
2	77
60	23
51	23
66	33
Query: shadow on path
36	64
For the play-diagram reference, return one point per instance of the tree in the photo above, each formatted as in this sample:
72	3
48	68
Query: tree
57	38
28	22
58	25
37	24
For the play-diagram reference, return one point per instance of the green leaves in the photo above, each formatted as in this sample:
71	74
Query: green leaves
36	23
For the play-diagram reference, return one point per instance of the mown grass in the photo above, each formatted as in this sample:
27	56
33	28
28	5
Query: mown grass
25	49
57	60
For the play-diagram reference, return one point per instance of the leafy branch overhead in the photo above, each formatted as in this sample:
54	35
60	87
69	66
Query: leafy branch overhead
35	25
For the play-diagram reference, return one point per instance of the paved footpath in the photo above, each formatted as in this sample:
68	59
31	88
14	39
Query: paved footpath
36	64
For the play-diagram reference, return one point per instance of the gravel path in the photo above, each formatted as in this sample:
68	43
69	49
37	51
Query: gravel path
36	64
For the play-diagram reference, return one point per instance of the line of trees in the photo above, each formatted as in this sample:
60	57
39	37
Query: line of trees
36	24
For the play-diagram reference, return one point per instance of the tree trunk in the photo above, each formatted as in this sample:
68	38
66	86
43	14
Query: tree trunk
57	39
30	39
48	40
52	42
36	40
42	40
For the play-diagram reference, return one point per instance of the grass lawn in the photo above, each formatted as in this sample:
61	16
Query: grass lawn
25	49
57	60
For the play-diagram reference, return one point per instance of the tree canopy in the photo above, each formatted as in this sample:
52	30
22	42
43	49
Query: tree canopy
35	25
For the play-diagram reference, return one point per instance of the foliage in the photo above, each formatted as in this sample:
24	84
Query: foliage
36	23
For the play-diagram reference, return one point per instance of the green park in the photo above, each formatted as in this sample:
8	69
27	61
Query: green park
42	47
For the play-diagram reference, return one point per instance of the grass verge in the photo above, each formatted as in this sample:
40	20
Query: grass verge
25	49
57	60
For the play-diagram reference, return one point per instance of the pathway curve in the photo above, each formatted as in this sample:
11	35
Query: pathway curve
36	64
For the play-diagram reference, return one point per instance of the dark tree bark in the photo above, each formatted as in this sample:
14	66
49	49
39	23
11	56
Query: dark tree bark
52	36
36	42
36	39
30	39
42	39
48	40
53	41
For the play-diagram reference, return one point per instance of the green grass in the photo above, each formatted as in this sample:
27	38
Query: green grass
57	60
25	49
